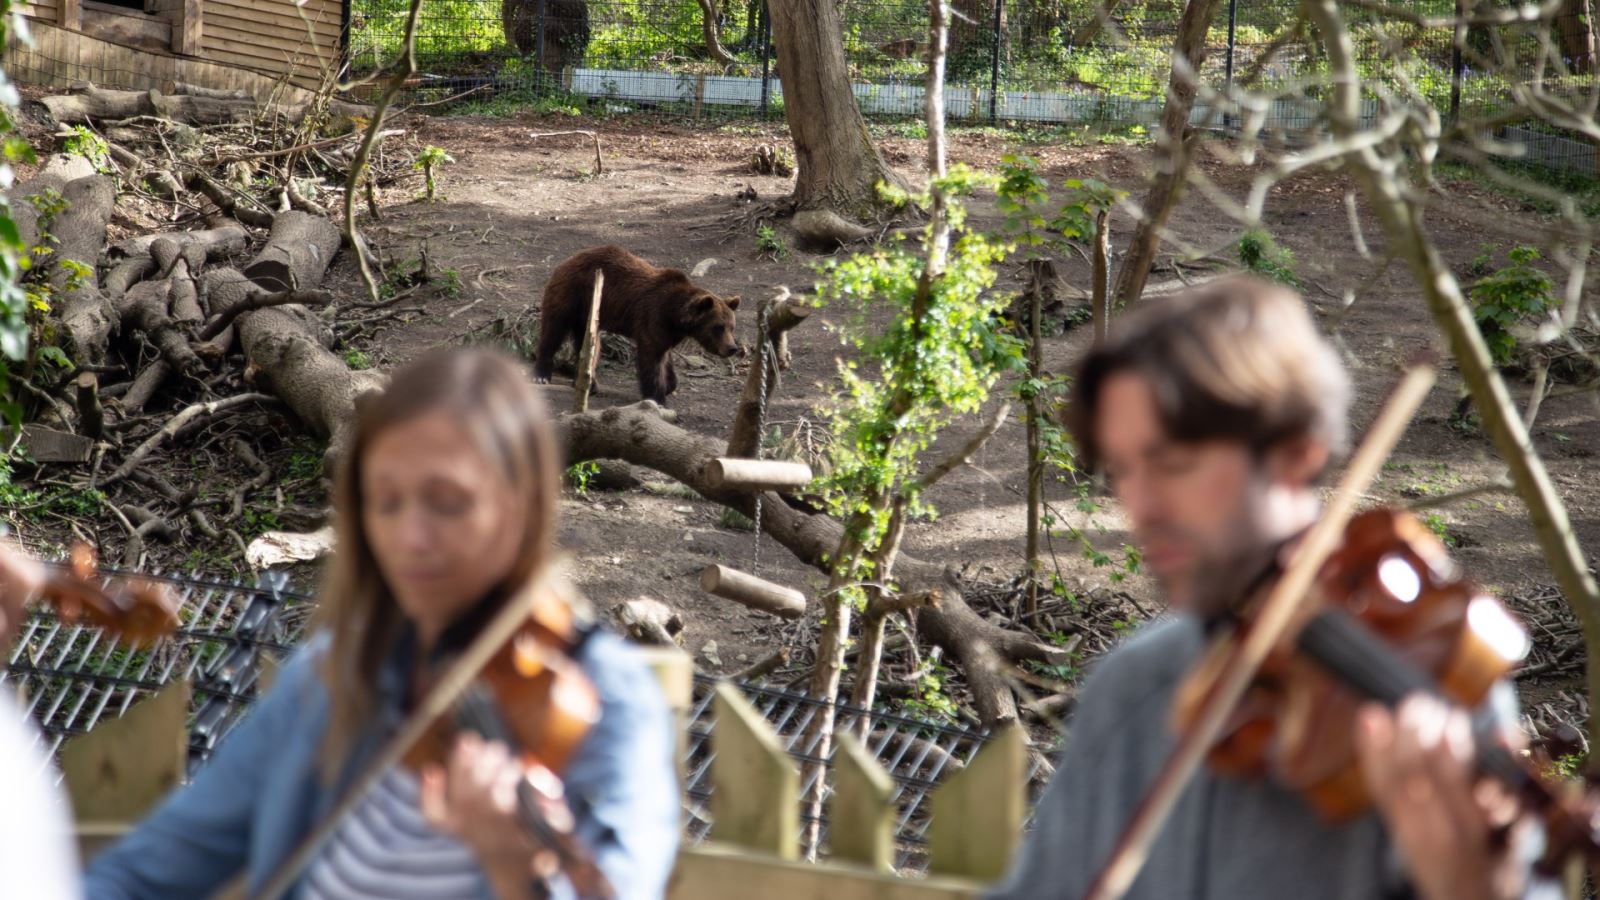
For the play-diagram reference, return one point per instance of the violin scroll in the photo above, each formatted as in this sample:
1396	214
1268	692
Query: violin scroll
137	610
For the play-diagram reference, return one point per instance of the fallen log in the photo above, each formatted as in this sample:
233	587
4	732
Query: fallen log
297	254
638	434
147	308
221	241
288	348
89	103
85	313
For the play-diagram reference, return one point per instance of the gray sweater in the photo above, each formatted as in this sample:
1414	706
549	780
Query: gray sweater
1226	839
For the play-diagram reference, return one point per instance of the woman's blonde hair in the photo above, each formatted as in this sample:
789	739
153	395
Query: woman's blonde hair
491	397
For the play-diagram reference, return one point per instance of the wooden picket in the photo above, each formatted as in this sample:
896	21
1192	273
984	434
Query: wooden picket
119	770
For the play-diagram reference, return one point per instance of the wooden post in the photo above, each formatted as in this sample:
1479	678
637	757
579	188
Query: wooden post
69	14
757	474
118	771
589	352
755	787
674	670
978	813
186	27
860	813
1035	457
1100	314
756	593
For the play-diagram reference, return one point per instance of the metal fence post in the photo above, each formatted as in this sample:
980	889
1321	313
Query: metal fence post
766	58
538	53
1227	71
994	59
1459	37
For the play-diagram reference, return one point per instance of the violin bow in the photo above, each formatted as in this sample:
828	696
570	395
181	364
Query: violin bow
1271	623
457	677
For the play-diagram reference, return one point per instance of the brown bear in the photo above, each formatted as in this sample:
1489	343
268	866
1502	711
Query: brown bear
657	308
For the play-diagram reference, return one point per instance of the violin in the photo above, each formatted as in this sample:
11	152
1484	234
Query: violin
1390	613
516	682
1358	608
136	610
535	699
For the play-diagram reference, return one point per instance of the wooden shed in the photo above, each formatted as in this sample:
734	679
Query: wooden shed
141	44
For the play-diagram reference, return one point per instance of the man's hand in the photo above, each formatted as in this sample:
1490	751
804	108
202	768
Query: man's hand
21	578
1450	826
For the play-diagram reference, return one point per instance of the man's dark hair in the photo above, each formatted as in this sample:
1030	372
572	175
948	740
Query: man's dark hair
1238	358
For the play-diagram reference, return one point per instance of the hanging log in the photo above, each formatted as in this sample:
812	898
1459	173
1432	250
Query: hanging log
757	474
756	593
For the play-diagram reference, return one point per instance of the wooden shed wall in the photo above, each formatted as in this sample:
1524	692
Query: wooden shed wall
273	38
60	57
271	35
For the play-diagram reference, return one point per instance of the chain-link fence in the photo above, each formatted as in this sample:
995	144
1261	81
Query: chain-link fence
1045	61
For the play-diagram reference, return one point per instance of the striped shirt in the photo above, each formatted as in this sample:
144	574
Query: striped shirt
386	849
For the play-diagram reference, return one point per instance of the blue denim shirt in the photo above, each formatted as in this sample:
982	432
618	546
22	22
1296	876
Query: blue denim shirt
261	792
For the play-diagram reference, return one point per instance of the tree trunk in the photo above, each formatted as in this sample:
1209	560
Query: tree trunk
566	30
1575	22
1172	161
838	165
708	23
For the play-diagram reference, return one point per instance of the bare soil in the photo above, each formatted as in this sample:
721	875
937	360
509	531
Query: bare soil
515	205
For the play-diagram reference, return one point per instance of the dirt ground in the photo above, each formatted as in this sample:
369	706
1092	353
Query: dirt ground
515	205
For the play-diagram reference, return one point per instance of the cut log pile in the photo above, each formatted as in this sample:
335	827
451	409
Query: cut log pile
214	312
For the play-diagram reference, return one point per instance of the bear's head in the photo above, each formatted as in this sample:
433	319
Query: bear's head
710	321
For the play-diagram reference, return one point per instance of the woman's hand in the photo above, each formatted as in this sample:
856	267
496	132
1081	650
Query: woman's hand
474	798
21	579
1453	828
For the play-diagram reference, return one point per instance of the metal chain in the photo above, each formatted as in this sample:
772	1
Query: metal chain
762	343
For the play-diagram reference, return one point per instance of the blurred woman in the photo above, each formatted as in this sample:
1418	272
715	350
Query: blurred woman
446	505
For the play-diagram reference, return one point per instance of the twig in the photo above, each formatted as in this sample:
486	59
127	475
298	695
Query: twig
451	99
404	68
1501	484
599	166
263	477
954	460
188	414
298	148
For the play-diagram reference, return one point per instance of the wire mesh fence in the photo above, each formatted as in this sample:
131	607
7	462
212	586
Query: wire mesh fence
73	678
1046	61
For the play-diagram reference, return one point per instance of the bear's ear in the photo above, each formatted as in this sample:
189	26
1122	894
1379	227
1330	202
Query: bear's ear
733	302
703	303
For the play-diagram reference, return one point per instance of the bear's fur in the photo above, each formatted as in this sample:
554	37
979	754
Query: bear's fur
657	308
